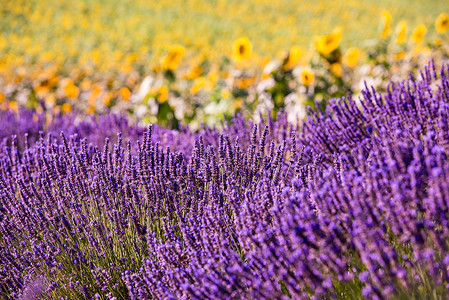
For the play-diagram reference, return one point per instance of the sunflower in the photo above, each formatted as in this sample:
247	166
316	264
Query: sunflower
326	44
351	57
66	108
69	88
401	32
294	55
418	33
244	82
125	93
336	69
163	94
198	85
173	57
96	90
50	100
385	22
194	72
13	106
399	56
242	48
225	94
442	23
85	84
107	97
238	103
306	77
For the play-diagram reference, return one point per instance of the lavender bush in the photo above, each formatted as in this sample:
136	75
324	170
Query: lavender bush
354	203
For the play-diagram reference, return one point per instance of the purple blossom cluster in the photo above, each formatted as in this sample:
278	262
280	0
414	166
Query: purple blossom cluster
21	123
95	128
353	203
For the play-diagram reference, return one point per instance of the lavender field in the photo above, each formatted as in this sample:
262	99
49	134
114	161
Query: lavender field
224	150
351	203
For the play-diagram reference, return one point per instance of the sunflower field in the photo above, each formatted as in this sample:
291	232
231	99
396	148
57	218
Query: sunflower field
224	149
188	62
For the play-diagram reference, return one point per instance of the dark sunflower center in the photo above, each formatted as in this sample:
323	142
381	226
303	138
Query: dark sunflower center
241	49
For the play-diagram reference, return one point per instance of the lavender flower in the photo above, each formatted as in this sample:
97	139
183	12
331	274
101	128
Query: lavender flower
353	203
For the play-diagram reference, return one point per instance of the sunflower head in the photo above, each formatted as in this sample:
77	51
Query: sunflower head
418	33
125	93
162	94
442	23
295	54
336	69
242	49
173	57
385	24
238	103
194	72
306	77
69	88
401	32
326	44
66	108
352	57
198	85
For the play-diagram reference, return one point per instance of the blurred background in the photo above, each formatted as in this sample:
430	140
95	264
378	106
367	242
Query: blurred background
189	62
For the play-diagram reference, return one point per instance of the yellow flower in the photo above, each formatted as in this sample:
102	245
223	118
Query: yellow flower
85	84
242	48
385	22
66	108
13	106
245	82
46	56
50	100
238	103
294	55
194	72
21	72
419	50
418	33
442	23
173	57
41	89
198	85
90	109
225	94
351	57
126	68
306	77
399	56
96	90
212	77
107	97
125	93
69	88
95	56
325	44
401	32
163	94
336	69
